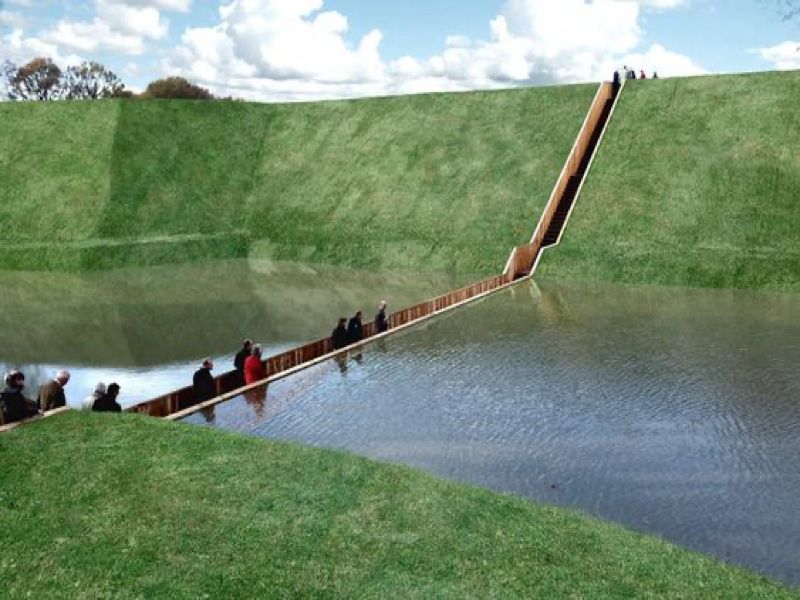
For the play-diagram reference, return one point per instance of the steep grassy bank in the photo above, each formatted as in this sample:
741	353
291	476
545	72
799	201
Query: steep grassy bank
696	183
129	507
434	182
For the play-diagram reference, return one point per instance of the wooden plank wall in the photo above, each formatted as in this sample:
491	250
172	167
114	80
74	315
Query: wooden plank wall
523	258
604	93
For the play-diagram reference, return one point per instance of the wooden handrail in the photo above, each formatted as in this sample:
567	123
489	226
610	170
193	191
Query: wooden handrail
52	413
523	258
304	356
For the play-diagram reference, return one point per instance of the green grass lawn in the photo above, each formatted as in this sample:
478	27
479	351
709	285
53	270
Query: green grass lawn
441	182
95	506
697	183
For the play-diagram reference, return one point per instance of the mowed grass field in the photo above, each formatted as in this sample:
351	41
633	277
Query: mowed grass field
127	507
442	182
697	183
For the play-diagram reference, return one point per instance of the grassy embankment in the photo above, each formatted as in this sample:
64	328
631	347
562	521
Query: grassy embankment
94	506
444	182
697	184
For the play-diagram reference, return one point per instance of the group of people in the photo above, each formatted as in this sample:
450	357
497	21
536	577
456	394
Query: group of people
630	75
15	407
351	332
249	361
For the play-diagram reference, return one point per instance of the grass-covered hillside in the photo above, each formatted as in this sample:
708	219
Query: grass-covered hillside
697	183
128	507
447	182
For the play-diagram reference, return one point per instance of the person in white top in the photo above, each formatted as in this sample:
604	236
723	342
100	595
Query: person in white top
99	391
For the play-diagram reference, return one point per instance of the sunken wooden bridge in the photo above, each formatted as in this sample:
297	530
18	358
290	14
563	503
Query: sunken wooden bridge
521	265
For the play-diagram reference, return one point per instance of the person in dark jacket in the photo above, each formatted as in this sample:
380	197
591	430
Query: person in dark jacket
14	406
355	329
339	336
241	357
381	320
108	403
617	81
203	382
51	394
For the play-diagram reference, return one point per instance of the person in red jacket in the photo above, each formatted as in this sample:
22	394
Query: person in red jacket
253	367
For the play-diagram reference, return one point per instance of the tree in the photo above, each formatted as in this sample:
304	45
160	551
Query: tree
91	81
38	80
174	88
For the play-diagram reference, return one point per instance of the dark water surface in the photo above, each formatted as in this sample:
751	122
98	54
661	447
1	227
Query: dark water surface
675	412
148	329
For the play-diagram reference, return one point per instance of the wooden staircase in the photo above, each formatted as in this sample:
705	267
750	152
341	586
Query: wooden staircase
553	232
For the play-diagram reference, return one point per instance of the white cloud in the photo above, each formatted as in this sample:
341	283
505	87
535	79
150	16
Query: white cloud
19	49
659	59
166	5
10	19
119	27
293	39
294	49
93	37
142	21
784	57
663	4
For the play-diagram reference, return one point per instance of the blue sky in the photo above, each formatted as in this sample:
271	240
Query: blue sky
308	49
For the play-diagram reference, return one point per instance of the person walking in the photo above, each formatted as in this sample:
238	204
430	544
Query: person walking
89	401
15	407
655	74
254	367
51	394
241	357
108	403
203	382
355	329
617	82
339	336
643	75
381	320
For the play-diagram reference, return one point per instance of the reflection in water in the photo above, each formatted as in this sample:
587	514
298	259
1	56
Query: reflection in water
209	414
673	411
257	400
149	329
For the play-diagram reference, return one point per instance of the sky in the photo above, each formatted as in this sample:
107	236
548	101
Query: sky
285	50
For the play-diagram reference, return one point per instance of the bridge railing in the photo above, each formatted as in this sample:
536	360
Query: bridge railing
523	258
183	399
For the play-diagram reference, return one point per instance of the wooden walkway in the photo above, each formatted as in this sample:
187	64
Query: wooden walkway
520	266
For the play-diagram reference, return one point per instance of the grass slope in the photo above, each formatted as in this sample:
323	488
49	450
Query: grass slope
697	183
433	182
96	506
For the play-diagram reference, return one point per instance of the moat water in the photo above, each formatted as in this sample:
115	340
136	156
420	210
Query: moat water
675	412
